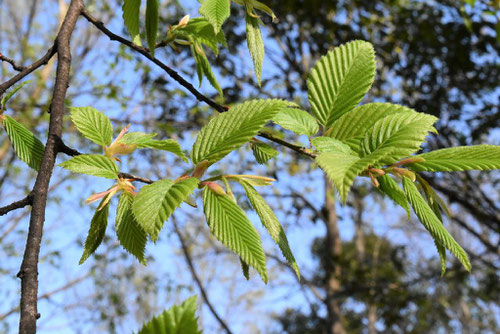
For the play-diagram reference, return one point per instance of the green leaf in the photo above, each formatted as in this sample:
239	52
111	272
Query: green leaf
93	124
130	10
340	80
145	140
401	133
179	319
391	188
263	152
203	67
155	203
480	157
271	223
96	231
131	236
255	44
245	268
297	120
7	96
152	19
92	164
352	126
230	130
432	223
229	224
202	31
28	148
327	144
216	12
442	256
340	167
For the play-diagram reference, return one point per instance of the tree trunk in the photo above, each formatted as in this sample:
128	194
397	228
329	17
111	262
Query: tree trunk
334	251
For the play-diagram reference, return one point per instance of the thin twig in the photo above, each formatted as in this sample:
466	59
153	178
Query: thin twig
28	200
189	261
12	62
145	52
298	149
28	69
49	294
135	178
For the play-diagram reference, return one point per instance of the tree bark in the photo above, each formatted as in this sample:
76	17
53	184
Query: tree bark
29	267
334	270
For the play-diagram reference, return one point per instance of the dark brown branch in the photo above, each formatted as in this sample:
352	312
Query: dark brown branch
174	75
145	52
298	149
28	200
189	261
29	267
12	63
28	69
135	178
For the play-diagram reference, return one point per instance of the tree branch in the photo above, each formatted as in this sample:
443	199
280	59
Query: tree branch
29	267
28	200
12	62
189	261
28	69
183	82
145	52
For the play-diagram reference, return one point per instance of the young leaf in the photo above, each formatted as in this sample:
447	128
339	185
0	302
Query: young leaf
152	19
7	96
216	12
93	124
203	66
179	319
263	152
92	164
327	144
255	44
402	133
145	140
352	126
155	203
340	80
131	236
254	180
230	130
480	157
391	188
130	10
297	120
432	223
96	231
271	223
28	148
229	224
202	31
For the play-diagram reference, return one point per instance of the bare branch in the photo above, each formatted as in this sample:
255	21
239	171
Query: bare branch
12	62
28	200
28	69
29	267
189	261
